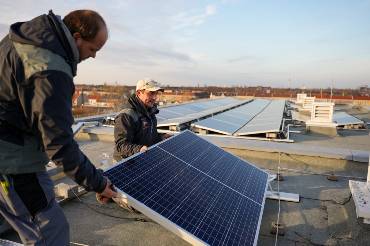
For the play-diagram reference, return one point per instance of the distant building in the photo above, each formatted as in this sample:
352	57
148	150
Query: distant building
174	96
79	98
93	100
364	91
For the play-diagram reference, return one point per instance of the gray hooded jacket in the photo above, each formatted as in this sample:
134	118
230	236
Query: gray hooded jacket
38	60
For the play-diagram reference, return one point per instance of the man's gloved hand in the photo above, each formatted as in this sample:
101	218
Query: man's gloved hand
144	148
107	193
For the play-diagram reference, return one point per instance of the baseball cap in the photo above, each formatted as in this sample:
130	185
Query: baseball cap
148	84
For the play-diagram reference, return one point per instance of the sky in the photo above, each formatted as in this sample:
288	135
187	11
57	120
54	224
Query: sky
279	43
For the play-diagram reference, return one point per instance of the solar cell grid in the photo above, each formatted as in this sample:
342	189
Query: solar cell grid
200	188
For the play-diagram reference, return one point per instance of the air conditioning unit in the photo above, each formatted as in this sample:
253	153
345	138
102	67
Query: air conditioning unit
322	112
300	97
307	103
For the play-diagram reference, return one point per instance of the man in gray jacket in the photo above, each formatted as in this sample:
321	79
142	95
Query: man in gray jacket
38	60
135	126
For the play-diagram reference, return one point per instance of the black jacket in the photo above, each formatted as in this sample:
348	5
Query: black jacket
135	126
38	61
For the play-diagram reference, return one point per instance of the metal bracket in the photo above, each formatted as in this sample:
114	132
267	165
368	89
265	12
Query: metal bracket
282	196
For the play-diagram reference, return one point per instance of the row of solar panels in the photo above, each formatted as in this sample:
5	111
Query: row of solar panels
185	113
175	115
258	116
226	115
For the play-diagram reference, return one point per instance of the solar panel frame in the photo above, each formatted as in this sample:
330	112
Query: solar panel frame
173	226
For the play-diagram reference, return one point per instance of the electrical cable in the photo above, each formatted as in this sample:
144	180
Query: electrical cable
313	173
106	214
78	244
343	176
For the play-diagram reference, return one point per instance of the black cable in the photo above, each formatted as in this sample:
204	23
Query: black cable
328	200
112	216
108	215
312	173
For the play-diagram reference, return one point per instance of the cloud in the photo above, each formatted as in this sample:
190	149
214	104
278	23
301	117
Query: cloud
210	10
243	58
193	18
130	54
229	1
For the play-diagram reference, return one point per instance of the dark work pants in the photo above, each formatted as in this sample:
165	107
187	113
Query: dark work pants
29	206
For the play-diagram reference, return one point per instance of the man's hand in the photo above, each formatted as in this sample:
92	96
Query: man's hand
107	193
166	135
144	148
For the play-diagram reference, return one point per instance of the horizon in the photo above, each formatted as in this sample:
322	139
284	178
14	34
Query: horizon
283	44
228	86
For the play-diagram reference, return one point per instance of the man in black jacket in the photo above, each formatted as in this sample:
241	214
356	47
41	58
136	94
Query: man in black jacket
38	60
135	127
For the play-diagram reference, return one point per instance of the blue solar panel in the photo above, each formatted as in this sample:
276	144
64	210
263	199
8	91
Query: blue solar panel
209	193
195	107
230	121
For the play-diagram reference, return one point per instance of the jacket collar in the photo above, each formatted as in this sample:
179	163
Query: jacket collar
65	37
138	105
70	39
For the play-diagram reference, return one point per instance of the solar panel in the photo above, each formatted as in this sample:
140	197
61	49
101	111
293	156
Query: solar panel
195	189
342	118
230	121
190	112
269	120
194	107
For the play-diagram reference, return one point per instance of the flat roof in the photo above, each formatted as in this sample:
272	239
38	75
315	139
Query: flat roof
325	214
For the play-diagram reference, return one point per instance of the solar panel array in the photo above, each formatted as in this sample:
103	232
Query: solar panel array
230	121
342	118
195	189
269	120
174	115
258	116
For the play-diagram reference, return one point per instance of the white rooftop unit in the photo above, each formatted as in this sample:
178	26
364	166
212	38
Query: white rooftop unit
307	103
322	114
321	120
300	98
324	117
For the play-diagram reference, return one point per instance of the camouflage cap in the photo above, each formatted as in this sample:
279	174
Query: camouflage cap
148	84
